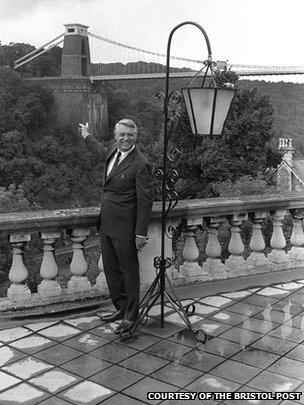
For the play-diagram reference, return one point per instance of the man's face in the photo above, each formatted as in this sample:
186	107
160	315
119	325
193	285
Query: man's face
125	138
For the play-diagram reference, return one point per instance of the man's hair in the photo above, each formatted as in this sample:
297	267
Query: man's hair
128	123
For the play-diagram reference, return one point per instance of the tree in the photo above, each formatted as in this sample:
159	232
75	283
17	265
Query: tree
242	150
47	64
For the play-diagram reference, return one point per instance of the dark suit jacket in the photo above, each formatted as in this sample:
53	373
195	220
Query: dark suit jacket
127	194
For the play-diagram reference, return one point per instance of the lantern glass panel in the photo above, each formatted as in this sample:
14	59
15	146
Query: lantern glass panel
205	105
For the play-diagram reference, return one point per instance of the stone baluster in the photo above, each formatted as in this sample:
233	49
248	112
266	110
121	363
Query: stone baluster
278	257
257	258
235	263
190	269
18	291
101	282
49	287
296	253
213	265
79	282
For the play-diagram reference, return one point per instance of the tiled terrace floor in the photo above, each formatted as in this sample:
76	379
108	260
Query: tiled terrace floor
256	343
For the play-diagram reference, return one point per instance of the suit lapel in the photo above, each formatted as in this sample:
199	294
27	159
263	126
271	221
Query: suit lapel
123	165
108	159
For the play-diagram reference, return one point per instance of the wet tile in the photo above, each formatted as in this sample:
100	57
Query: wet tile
297	353
255	357
301	389
54	401
154	311
245	308
22	394
242	336
120	399
288	307
260	300
116	378
289	367
144	363
140	389
273	316
40	325
9	335
32	344
113	352
222	347
168	350
140	341
298	321
176	374
186	337
201	360
85	365
9	355
27	367
273	345
268	381
176	319
287	332
85	342
290	286
155	329
7	381
216	301
54	381
211	383
228	317
237	372
84	323
273	292
106	331
212	328
296	298
87	393
59	332
237	294
57	354
257	325
202	309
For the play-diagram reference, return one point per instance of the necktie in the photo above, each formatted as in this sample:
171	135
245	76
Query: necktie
116	161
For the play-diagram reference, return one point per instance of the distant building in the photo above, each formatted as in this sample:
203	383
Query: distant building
290	172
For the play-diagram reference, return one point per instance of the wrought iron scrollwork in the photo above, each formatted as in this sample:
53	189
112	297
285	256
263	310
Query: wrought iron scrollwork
171	232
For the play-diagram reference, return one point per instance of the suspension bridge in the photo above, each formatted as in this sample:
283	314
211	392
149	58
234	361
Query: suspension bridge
117	61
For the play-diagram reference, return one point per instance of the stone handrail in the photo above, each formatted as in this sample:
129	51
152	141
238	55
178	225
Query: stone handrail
189	214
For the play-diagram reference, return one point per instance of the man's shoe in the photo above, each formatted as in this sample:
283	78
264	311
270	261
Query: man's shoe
113	317
124	327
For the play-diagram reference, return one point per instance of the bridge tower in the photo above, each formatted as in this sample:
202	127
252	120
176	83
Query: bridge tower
76	51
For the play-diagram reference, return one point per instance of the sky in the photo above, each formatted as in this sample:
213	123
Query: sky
261	32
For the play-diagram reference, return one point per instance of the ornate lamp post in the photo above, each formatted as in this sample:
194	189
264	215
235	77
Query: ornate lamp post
207	106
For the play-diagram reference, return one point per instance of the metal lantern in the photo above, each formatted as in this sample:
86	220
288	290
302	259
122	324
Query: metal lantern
207	108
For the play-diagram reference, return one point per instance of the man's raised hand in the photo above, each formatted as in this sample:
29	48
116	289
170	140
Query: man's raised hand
84	130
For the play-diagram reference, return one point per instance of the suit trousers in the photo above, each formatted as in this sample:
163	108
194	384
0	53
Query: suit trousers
120	262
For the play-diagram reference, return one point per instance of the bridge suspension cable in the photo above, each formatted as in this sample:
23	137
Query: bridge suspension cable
39	51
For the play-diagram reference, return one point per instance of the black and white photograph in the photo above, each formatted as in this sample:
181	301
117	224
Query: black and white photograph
151	202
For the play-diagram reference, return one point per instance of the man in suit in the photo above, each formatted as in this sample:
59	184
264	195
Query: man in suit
124	218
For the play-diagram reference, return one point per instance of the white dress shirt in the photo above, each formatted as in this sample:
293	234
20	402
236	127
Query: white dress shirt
122	157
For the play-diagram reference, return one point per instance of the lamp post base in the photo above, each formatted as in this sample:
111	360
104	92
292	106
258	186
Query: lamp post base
157	292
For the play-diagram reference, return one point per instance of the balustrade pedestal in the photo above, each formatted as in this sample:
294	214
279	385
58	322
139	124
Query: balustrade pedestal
79	282
49	287
213	265
18	291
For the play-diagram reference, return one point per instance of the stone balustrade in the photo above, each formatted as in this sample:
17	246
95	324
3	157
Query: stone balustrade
191	217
